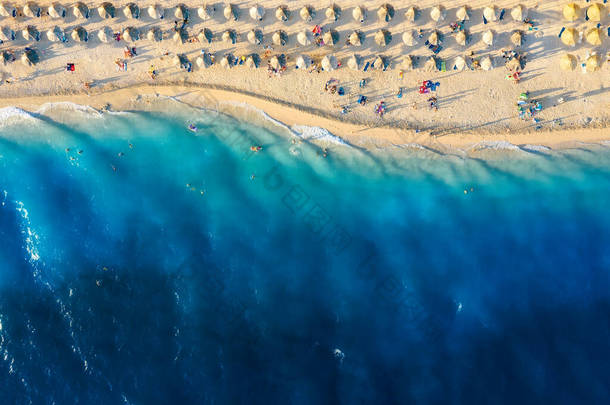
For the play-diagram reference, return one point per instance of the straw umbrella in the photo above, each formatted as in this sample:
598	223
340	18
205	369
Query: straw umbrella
459	63
55	34
57	11
230	12
516	38
79	34
303	38
486	63
179	36
225	62
488	38
379	63
30	33
330	37
257	13
154	35
329	63
462	14
461	38
306	13
182	12
592	63
106	10
7	34
434	38
355	38
385	12
409	38
80	10
490	13
513	64
437	13
277	62
594	12
570	12
407	62
156	12
569	36
593	37
353	63
303	62
279	38
104	34
6	10
132	11
30	57
206	12
411	14
254	37
131	34
519	13
431	65
333	12
359	14
281	13
567	62
31	10
229	37
251	61
383	37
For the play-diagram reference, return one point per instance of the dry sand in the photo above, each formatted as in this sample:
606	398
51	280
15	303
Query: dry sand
474	106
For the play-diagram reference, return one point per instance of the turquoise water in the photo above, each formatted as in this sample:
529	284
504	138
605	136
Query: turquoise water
164	266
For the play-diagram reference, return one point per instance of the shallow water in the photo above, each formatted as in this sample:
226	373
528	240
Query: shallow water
186	269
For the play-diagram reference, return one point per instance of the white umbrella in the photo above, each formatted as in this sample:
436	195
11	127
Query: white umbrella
411	14
156	12
131	34
7	10
490	13
354	39
353	63
31	10
407	63
57	11
79	34
430	65
303	38
488	38
409	38
329	63
461	38
437	13
303	62
279	38
306	14
80	10
359	14
104	34
106	10
486	63
281	13
182	12
462	14
206	12
7	34
254	37
459	63
230	12
257	13
132	11
519	13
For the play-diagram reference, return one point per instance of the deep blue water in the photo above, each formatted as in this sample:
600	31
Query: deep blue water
186	269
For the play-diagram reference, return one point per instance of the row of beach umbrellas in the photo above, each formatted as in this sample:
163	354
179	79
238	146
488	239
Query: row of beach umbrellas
231	12
571	36
571	12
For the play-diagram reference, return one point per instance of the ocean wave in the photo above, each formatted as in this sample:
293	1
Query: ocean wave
317	134
12	115
535	148
87	109
262	113
494	145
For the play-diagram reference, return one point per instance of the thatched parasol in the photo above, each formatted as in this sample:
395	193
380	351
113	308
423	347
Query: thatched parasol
281	13
79	34
409	38
333	12
516	38
355	38
385	12
437	13
31	10
567	62
329	63
106	10
307	13
411	14
353	62
303	38
57	11
488	38
156	12
383	37
359	14
80	10
462	14
330	37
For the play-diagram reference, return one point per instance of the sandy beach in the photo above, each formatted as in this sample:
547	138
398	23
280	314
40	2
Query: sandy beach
474	105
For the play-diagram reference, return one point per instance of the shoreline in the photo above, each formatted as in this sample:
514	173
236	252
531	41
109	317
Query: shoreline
360	135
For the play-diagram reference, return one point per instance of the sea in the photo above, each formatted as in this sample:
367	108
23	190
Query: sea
143	262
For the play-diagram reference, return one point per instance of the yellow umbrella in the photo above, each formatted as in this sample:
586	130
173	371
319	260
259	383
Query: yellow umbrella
594	12
516	38
594	36
569	36
592	63
567	62
570	12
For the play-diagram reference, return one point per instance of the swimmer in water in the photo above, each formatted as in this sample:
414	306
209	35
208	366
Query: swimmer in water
254	148
67	149
252	176
121	154
80	152
192	128
130	146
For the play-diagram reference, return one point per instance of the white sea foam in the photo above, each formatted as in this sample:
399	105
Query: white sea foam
262	113
317	134
68	105
494	145
535	148
12	115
